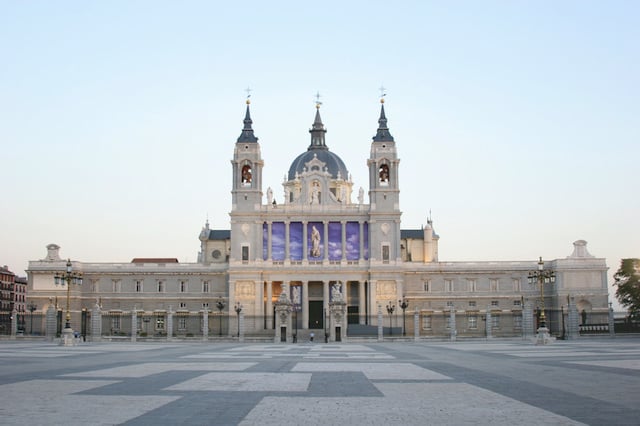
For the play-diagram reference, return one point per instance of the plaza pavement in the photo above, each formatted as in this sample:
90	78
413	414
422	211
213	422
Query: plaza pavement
497	382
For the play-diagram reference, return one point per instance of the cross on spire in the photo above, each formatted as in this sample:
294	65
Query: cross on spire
318	103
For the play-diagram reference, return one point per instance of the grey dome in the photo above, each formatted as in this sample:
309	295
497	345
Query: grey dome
333	163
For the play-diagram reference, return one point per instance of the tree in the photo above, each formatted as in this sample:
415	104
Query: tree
627	281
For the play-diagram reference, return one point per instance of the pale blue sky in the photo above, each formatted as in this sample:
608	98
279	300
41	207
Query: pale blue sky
516	122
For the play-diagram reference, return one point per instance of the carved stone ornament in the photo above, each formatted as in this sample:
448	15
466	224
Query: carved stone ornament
245	229
385	228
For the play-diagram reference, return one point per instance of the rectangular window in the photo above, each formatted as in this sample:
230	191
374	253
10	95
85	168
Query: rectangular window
516	284
495	320
245	253
427	286
385	252
115	284
517	322
182	323
183	286
494	303
138	285
493	284
473	321
160	322
472	304
472	285
449	304
205	286
517	303
115	322
160	286
426	322
448	285
94	286
183	305
205	305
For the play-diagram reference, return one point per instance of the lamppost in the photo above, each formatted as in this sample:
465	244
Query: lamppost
31	307
68	277
404	304
238	309
221	305
390	308
541	277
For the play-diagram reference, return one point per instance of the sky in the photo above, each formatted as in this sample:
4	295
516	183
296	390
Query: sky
516	122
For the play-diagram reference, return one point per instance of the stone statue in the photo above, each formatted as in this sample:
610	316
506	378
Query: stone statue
336	292
314	196
361	196
269	195
315	242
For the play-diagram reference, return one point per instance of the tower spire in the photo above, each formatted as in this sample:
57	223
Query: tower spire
247	132
382	135
317	129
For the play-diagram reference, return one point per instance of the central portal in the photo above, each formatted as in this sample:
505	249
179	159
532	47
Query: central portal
316	314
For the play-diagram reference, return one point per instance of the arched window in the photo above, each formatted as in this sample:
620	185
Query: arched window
246	175
383	174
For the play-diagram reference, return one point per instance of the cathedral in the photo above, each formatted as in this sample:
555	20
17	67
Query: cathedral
329	242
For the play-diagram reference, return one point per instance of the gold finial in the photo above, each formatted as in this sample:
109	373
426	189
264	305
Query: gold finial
248	90
382	94
318	103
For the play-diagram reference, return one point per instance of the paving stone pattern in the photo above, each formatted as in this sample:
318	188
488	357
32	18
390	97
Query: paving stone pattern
497	382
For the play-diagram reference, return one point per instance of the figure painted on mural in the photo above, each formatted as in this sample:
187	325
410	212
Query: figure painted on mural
315	242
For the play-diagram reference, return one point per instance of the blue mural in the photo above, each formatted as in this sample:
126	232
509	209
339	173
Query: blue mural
295	240
277	241
335	241
353	241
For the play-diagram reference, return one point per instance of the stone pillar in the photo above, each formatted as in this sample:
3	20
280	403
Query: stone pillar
269	313
362	303
205	324
528	325
51	322
305	305
338	328
325	296
14	323
325	238
134	325
170	324
612	330
283	319
488	323
416	325
361	241
380	325
96	323
269	241
241	327
305	246
452	325
573	324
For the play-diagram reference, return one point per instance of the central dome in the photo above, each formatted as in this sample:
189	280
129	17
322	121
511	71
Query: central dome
318	149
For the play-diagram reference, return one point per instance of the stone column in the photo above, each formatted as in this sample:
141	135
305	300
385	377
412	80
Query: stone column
269	313
573	324
325	296
205	324
361	241
612	331
269	241
528	325
338	312
305	305
488	323
325	238
170	324
96	323
452	323
361	303
380	325
283	319
14	323
51	322
305	246
416	325
134	325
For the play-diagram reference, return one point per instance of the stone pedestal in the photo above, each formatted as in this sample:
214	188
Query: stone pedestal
96	323
543	337
337	321
283	319
67	337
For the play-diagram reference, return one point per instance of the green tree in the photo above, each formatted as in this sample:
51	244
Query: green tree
627	281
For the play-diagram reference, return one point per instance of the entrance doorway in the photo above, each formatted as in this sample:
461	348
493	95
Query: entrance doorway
316	314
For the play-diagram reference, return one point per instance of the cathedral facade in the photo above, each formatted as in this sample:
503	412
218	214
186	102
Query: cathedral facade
325	243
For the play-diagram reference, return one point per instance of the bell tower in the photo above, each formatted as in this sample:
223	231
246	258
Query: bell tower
384	193
247	167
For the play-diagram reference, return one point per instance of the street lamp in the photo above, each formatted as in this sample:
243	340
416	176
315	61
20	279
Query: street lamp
404	304
221	305
541	277
390	308
68	277
31	307
238	309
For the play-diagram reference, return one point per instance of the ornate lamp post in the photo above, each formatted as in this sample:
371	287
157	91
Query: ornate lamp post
31	307
67	278
403	304
238	309
221	305
541	277
390	308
